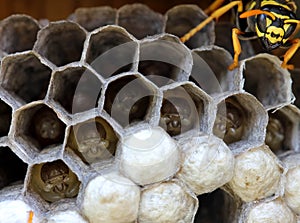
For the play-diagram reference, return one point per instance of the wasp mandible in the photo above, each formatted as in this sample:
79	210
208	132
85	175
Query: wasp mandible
273	22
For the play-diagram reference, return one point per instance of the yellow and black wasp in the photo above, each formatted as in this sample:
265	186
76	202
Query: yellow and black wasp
274	22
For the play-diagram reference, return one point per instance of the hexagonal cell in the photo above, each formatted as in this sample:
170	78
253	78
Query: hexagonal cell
53	181
129	99
93	140
282	130
77	89
210	70
39	127
12	168
140	20
241	121
22	71
181	19
5	118
111	50
61	42
94	17
164	60
217	206
184	108
267	80
18	33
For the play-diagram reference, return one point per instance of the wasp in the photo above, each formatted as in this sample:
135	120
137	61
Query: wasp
274	23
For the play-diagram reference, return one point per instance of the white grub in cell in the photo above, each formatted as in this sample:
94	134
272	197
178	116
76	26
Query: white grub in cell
257	174
111	198
271	211
292	184
149	156
167	202
65	216
207	163
15	211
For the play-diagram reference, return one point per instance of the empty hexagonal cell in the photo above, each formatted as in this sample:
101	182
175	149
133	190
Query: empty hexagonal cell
164	60
267	80
94	17
12	168
77	89
38	126
282	130
5	118
181	19
93	140
210	70
129	99
241	120
111	50
61	42
22	71
217	206
140	20
53	181
184	108
18	33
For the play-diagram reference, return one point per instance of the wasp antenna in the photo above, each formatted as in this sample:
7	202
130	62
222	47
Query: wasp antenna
257	12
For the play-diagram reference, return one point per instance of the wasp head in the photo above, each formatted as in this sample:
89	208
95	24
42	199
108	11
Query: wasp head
274	31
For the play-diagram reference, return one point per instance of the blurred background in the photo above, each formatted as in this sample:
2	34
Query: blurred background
60	9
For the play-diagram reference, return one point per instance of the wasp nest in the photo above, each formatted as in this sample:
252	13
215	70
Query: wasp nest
108	117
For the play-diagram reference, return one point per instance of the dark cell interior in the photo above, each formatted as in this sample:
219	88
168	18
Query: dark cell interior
61	43
212	208
21	32
140	21
44	128
23	72
279	132
231	121
111	52
5	118
128	100
180	112
77	89
12	168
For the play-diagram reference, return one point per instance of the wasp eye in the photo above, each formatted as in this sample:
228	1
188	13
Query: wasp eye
261	23
288	30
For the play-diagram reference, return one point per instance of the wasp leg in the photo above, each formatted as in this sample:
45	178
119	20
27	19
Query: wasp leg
214	6
215	15
237	48
30	218
289	54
